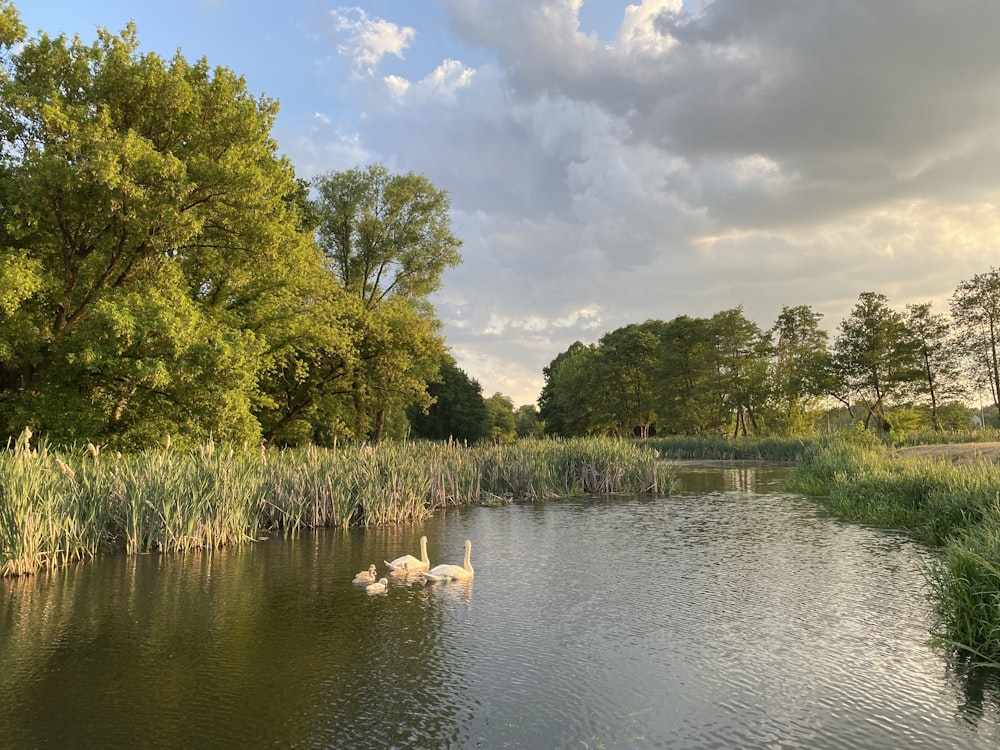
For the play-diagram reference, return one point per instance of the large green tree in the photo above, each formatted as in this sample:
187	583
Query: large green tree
387	240
687	379
149	243
569	404
876	356
501	426
741	363
799	364
626	369
939	358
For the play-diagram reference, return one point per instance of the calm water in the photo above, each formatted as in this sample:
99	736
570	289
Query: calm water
730	615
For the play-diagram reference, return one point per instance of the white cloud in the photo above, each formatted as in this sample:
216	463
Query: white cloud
640	33
367	40
441	85
763	154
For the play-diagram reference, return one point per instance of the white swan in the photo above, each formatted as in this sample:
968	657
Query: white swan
410	564
366	576
461	572
379	587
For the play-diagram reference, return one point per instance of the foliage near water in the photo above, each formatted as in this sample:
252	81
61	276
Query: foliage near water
954	507
57	507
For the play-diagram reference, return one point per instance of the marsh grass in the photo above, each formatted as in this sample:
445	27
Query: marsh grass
952	507
60	507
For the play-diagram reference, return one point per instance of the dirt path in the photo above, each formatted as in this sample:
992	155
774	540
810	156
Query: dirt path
958	453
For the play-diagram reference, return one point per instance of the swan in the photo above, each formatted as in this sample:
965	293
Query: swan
410	564
461	572
379	587
366	576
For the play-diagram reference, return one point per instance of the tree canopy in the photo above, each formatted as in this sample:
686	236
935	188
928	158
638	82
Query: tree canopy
160	273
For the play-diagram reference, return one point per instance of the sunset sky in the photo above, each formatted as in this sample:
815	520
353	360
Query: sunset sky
610	163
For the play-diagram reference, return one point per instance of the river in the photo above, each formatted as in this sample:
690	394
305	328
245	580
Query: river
729	615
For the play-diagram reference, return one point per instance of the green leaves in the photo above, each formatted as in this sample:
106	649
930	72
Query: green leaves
150	250
387	240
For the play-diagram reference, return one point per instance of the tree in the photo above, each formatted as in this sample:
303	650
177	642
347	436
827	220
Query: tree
627	363
741	363
938	357
798	364
387	240
501	426
458	411
567	404
528	423
689	402
975	306
150	238
876	356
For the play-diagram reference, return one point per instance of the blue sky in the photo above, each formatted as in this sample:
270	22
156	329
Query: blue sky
612	162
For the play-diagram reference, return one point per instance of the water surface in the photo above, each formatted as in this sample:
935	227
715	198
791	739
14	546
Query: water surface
731	614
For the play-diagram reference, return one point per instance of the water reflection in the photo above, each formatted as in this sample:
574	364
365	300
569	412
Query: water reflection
729	615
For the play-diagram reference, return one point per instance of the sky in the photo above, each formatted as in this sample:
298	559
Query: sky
610	163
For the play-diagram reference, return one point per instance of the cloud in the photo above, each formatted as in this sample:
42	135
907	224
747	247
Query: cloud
742	153
366	40
441	85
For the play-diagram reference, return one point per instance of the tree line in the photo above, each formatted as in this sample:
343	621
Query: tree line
164	272
886	368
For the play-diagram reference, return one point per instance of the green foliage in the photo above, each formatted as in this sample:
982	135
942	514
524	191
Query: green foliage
965	589
688	401
975	307
458	412
159	270
625	368
150	246
799	372
387	240
567	404
528	422
501	426
876	357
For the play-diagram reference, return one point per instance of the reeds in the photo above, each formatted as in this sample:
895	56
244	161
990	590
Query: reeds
55	508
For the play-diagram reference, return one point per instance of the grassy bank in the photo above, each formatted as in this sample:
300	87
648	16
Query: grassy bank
953	507
61	506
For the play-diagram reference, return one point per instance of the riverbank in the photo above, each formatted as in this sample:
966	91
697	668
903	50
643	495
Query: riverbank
947	497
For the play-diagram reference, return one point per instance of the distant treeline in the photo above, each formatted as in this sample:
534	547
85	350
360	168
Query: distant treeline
894	371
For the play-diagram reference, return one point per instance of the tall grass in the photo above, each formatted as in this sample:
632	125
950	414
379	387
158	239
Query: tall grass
953	507
55	508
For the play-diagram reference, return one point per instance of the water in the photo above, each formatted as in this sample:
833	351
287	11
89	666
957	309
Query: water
729	615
